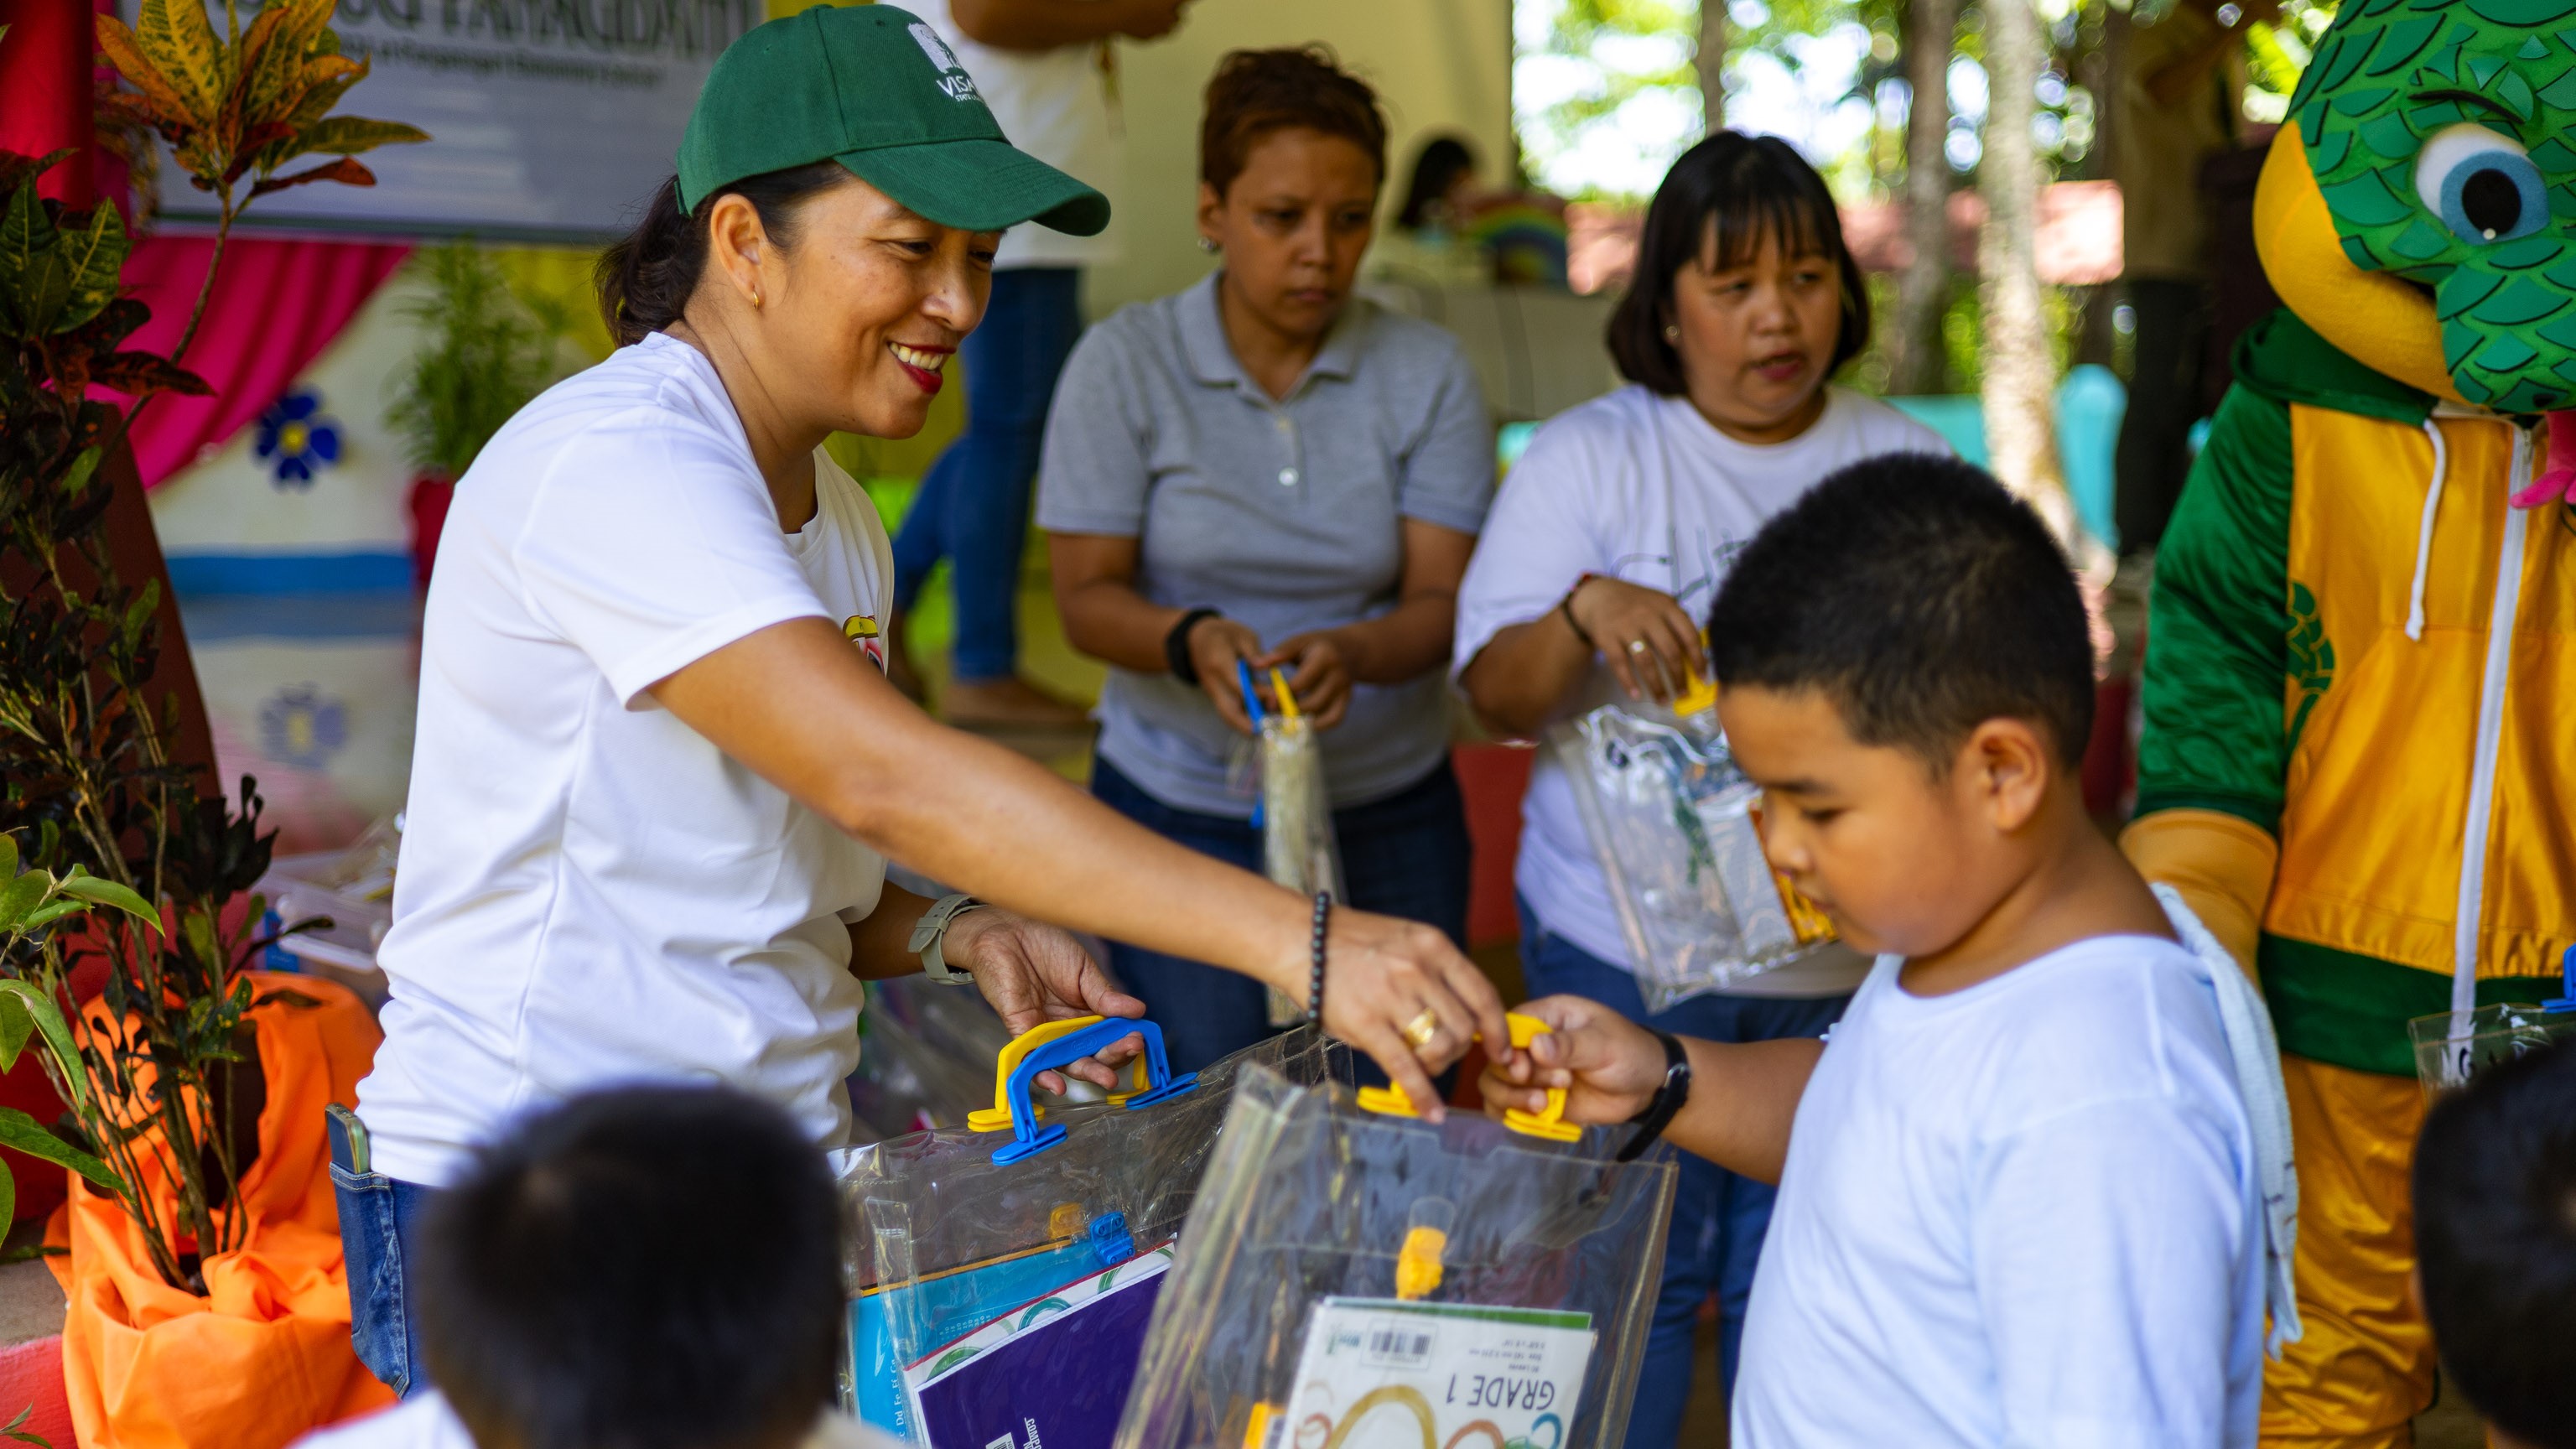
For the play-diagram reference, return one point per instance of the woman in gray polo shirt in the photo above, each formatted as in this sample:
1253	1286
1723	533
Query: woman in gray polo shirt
1265	468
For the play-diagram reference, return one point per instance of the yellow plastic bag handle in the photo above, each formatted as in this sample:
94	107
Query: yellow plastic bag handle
1548	1122
998	1117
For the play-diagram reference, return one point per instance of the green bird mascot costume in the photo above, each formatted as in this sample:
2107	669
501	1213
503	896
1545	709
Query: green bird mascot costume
2363	631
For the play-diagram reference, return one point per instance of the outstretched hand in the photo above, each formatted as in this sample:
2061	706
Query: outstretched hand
1608	1066
1383	975
1033	974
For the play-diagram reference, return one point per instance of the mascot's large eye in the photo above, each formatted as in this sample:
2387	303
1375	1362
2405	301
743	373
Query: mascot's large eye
2480	184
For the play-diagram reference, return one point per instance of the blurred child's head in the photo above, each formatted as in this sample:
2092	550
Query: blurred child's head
1744	298
644	1268
1908	676
2495	1243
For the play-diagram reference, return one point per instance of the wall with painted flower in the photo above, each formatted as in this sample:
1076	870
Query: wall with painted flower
290	552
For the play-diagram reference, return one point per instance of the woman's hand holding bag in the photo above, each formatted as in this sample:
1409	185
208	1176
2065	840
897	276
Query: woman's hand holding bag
1400	992
1650	643
1032	974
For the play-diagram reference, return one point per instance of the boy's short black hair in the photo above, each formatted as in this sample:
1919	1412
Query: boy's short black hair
2495	1242
643	1268
1749	189
1922	599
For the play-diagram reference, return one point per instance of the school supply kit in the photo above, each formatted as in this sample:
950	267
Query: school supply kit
1677	829
1026	1280
1295	810
1353	1277
1002	1271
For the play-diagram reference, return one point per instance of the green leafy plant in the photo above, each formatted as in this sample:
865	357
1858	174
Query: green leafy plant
92	791
240	106
485	351
135	860
33	904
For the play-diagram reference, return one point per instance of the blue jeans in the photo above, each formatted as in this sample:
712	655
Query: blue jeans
1405	855
1718	1217
379	1230
973	506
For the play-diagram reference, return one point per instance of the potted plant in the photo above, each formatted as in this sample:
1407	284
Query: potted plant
485	351
96	810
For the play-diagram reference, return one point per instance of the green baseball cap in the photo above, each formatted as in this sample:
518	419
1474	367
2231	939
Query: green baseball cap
874	88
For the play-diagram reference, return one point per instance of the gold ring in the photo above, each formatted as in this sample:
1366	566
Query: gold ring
1419	1031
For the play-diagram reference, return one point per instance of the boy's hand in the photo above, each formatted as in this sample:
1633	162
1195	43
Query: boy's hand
1608	1065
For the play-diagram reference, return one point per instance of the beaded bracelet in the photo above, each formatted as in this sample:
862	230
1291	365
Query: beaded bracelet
1315	987
1565	606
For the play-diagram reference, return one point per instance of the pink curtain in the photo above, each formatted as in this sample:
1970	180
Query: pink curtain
276	305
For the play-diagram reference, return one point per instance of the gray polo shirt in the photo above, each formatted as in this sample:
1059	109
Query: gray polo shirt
1284	514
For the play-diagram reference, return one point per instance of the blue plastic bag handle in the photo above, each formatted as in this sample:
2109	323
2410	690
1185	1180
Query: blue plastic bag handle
1028	1136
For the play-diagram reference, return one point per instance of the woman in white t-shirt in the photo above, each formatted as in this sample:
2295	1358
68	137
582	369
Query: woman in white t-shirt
658	766
1603	552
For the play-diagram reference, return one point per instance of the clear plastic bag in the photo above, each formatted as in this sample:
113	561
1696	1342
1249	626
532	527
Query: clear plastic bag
2453	1046
1297	848
922	1054
1352	1280
1675	826
967	1244
1295	815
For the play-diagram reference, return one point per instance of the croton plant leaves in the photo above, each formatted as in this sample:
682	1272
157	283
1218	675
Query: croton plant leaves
56	277
245	107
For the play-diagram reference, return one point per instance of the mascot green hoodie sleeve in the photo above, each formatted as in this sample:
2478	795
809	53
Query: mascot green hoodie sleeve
2356	762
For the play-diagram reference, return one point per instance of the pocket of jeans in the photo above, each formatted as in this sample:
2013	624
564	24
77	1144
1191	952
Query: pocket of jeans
372	1255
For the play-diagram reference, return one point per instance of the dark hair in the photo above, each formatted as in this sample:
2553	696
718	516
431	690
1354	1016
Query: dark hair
1749	188
646	279
1256	92
1922	599
1436	168
642	1268
2495	1241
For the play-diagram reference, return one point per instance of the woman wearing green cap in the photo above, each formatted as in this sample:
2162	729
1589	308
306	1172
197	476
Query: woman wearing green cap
658	767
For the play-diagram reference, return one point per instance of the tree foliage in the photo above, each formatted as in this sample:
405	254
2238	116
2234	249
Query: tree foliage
485	351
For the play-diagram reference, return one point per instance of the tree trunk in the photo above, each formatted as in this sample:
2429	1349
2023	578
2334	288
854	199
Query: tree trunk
1915	350
1709	60
2020	366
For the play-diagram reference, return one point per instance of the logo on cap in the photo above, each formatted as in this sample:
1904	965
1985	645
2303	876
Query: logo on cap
953	78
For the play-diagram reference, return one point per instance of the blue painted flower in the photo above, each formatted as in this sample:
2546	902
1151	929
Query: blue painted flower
296	440
299	726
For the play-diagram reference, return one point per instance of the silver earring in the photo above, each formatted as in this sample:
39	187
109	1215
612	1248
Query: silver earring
1207	243
1672	334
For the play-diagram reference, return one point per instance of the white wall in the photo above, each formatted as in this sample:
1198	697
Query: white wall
1437	65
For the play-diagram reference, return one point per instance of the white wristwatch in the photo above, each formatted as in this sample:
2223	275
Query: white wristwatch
930	934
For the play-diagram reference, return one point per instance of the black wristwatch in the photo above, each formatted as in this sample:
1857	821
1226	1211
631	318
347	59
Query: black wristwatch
1176	644
1665	1104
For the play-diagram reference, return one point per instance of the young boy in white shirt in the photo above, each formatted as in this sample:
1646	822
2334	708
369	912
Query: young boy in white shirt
2023	1200
645	1267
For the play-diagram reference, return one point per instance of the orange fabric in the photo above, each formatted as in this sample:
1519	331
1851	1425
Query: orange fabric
2364	1368
265	1356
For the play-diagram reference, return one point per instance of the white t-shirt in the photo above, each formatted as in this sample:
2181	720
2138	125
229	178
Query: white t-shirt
2026	1213
1640	487
424	1421
1055	105
588	890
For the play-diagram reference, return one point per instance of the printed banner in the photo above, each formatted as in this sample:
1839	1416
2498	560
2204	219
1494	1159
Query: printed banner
550	120
1383	1374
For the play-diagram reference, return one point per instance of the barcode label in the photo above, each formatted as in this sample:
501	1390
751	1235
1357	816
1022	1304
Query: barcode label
1400	1344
